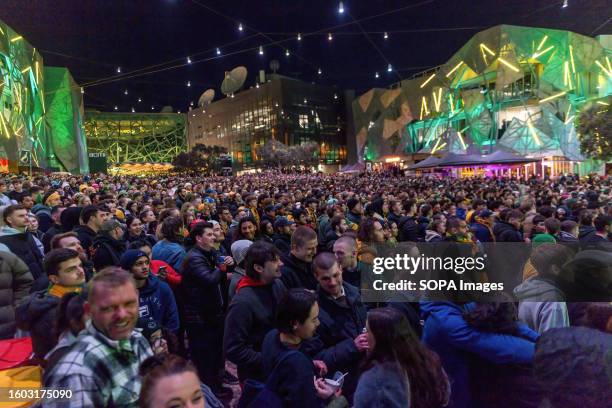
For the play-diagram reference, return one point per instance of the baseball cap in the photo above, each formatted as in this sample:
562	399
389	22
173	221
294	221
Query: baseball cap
282	222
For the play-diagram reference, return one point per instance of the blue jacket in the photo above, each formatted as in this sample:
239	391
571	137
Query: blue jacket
157	307
448	334
170	252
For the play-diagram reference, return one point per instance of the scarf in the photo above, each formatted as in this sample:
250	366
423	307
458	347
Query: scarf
60	290
248	281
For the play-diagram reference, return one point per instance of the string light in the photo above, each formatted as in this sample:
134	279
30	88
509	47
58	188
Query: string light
261	50
385	35
125	92
287	53
240	27
376	75
319	71
118	70
329	37
299	37
389	68
218	51
188	84
188	60
341	8
335	96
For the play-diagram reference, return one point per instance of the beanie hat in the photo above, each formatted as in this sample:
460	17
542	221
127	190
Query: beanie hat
351	203
543	238
239	249
129	258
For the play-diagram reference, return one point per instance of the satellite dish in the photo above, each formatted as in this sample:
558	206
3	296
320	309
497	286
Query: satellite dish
233	80
206	97
274	65
166	109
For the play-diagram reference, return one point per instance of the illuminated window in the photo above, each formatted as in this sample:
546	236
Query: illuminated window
303	121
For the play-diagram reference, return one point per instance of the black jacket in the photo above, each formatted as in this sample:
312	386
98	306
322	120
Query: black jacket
505	232
48	236
297	273
24	246
201	287
86	236
408	230
145	237
107	251
422	224
330	239
340	324
250	316
393	217
37	315
43	215
15	283
283	243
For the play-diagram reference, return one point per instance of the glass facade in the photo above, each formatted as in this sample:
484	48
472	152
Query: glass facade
284	109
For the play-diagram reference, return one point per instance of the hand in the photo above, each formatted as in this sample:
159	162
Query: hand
361	342
320	367
160	346
323	390
162	274
229	261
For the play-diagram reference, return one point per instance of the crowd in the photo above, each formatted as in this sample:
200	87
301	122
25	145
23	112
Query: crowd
144	291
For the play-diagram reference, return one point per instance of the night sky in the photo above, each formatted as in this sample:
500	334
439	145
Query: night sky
93	37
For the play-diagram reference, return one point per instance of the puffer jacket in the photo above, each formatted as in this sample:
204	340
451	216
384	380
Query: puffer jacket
15	283
25	246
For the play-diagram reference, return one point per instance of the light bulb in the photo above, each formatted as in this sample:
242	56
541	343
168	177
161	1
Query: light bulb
564	4
341	8
257	85
287	53
319	71
329	37
305	100
335	96
260	50
116	107
133	110
188	83
152	107
118	70
299	37
240	27
389	68
376	75
188	60
125	92
218	51
139	99
385	35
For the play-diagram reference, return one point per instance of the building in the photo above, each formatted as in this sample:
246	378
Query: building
287	110
513	88
136	137
41	111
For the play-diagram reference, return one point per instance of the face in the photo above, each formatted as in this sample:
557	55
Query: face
70	273
149	217
378	235
226	216
27	202
19	219
358	209
397	207
307	329
33	223
140	269
117	233
207	239
72	243
370	337
305	252
270	271
394	230
330	280
178	391
346	257
241	214
269	229
136	227
114	310
248	230
343	227
539	227
85	201
219	234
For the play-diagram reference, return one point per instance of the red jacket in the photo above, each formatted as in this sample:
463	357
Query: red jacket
173	277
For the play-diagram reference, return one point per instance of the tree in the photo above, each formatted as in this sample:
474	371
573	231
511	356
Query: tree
595	129
199	158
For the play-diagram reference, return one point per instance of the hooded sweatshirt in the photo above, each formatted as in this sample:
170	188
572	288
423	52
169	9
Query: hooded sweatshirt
541	305
157	307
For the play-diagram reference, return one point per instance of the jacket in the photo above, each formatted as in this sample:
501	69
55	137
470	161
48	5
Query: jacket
339	325
433	236
169	252
505	232
37	315
15	283
48	236
293	377
541	305
481	232
106	251
408	230
237	274
24	245
150	239
86	236
282	242
201	285
250	316
157	307
447	333
585	230
329	240
422	224
383	385
297	273
43	214
173	277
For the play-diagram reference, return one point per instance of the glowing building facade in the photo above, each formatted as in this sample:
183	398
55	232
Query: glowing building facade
513	88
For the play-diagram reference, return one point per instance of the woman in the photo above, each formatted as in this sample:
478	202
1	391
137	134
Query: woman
188	213
169	248
135	231
291	373
399	371
267	230
147	217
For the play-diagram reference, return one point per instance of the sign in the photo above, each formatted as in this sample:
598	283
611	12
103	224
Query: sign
98	162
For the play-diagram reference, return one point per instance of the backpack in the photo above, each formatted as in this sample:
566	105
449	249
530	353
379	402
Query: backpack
256	394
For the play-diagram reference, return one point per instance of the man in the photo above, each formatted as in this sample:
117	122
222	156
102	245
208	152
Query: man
37	313
101	368
355	212
408	228
4	199
108	245
345	249
55	227
92	218
552	226
202	284
338	228
269	213
599	240
251	315
508	229
22	243
311	208
17	193
482	226
157	306
70	240
225	219
283	229
15	283
297	266
395	211
43	210
569	232
343	318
